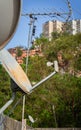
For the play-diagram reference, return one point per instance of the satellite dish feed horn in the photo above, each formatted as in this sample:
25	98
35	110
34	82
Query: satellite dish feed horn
9	18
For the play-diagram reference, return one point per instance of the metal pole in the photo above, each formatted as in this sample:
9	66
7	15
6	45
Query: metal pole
29	40
35	86
23	120
8	103
23	107
30	26
53	107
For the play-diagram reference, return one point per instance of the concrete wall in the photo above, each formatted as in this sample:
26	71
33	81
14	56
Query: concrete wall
7	123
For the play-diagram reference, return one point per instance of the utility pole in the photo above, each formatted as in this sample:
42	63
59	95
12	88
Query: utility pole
23	120
31	33
53	107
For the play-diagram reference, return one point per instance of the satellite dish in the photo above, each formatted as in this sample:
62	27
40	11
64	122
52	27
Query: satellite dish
15	71
9	17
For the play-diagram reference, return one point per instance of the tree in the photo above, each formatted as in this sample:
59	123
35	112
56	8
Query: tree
55	35
18	51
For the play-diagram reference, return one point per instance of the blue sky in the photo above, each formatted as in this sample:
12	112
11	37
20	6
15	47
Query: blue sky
40	6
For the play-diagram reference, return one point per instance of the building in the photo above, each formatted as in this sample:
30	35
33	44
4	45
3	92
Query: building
78	26
32	53
52	26
73	27
47	29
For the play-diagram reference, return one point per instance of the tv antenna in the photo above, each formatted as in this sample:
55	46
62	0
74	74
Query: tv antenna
53	14
33	18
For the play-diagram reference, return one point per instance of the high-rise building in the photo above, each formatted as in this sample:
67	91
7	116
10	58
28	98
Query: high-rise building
78	26
52	26
73	27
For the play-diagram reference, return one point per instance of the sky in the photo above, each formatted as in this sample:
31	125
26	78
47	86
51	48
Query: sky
20	37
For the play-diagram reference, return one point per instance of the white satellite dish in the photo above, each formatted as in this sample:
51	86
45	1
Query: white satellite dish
9	17
17	74
15	71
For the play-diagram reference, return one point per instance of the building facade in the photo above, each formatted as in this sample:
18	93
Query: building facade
73	28
32	53
52	26
78	26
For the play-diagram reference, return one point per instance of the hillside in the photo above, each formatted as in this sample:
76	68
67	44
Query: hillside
57	102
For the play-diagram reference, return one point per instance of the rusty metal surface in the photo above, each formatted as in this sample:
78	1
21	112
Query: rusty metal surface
15	71
9	17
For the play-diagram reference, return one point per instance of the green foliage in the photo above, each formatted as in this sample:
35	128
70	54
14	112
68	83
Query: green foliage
55	35
40	41
78	62
37	68
61	91
18	51
4	86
